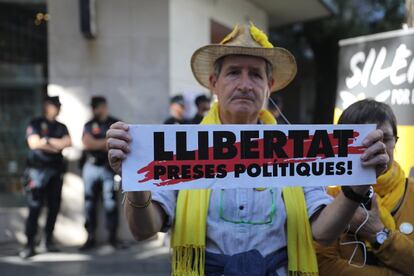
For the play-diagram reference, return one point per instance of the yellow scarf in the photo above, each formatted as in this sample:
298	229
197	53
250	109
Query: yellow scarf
189	230
389	189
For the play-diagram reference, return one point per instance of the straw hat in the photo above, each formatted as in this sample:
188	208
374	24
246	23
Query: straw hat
245	40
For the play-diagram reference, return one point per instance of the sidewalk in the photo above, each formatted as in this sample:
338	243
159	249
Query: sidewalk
145	258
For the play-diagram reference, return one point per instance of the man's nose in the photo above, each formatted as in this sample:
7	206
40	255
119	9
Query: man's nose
245	84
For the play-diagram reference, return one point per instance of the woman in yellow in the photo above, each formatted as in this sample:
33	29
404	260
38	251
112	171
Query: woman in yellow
386	233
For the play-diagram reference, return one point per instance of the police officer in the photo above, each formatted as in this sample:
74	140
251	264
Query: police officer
202	103
97	174
177	111
46	139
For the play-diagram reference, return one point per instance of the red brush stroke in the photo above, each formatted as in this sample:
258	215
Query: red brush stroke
149	169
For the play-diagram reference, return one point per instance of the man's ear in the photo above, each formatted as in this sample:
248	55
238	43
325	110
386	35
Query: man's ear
271	82
212	81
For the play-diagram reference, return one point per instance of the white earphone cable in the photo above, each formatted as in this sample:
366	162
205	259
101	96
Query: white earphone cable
280	111
357	242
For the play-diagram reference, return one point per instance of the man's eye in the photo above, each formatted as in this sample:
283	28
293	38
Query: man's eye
257	75
234	72
387	139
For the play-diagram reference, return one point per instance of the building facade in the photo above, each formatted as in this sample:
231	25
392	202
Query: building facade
140	56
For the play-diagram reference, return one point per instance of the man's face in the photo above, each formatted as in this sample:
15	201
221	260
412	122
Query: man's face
177	111
101	111
242	85
51	110
204	107
389	141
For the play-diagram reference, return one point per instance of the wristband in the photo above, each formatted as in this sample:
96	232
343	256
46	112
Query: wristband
350	194
138	206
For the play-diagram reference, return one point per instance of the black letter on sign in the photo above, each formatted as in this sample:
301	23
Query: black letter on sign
221	171
320	144
198	172
274	141
159	152
181	141
247	144
203	145
224	149
298	137
239	169
343	135
158	171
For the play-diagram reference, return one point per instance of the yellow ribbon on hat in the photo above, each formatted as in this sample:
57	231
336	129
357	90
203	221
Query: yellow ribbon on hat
260	36
231	35
190	225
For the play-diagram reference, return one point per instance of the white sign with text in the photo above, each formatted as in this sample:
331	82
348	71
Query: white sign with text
178	157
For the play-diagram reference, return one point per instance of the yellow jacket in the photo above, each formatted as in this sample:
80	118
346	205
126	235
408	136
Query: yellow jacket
395	256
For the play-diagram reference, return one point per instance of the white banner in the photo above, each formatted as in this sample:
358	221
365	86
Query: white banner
179	157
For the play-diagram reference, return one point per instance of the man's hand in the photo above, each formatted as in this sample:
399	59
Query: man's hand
333	218
144	222
90	143
372	226
375	155
36	143
117	142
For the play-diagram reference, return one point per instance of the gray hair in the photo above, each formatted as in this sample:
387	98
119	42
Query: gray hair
218	64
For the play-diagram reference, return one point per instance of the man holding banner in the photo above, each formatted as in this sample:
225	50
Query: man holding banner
244	231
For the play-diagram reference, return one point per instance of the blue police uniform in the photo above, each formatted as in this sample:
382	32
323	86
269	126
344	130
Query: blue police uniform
97	176
45	178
